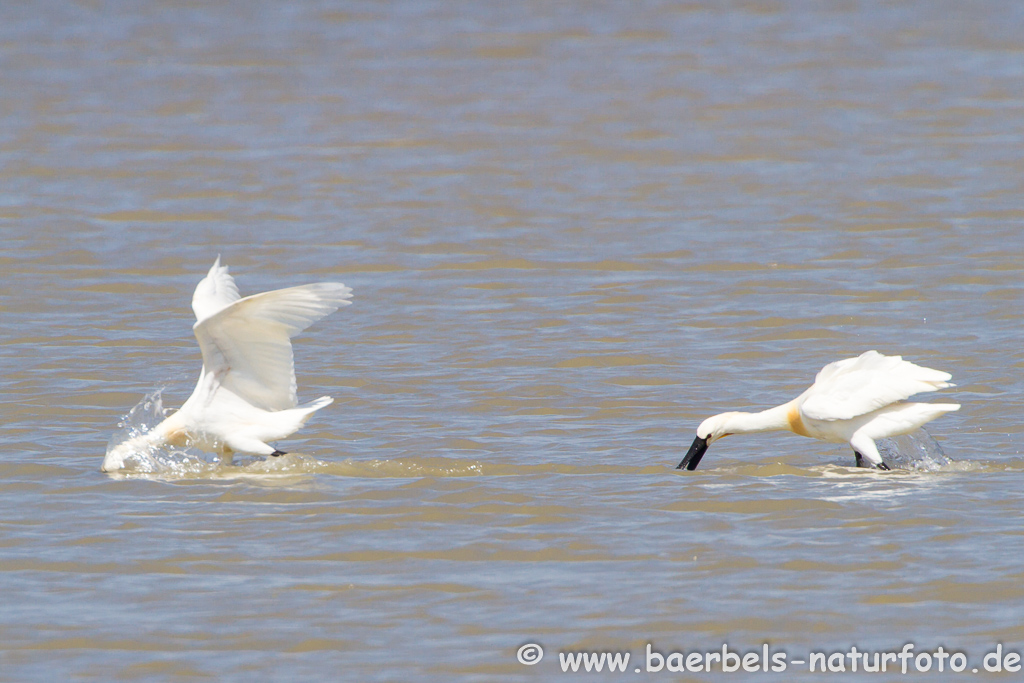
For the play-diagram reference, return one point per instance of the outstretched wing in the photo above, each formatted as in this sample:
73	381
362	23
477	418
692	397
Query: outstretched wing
214	292
857	386
247	347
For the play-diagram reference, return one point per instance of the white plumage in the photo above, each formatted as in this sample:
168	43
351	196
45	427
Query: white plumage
856	400
246	393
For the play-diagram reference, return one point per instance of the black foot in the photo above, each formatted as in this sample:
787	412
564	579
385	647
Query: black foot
277	453
879	466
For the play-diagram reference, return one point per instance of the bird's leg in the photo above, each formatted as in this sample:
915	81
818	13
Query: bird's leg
865	449
277	453
879	466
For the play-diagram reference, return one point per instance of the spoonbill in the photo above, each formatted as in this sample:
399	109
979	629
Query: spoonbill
856	400
245	396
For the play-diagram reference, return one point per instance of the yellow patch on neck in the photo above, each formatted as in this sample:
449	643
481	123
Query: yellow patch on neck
796	424
177	437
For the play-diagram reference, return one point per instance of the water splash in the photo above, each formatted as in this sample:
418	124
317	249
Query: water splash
162	462
148	458
914	451
147	413
917	451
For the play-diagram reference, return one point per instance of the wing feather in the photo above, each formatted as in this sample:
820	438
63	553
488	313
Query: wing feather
856	386
247	344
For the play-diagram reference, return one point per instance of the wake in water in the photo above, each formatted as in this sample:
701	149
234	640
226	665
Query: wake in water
917	451
160	461
912	453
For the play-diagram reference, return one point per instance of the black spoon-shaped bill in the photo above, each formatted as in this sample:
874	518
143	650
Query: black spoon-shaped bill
693	456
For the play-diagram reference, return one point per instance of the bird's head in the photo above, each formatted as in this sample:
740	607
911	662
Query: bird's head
127	453
709	431
116	456
716	426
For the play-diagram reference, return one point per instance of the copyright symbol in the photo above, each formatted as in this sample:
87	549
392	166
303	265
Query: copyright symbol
530	654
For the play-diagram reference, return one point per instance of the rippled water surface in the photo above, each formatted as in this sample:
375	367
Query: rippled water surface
573	231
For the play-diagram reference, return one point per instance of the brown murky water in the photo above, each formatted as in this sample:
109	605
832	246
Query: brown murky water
573	231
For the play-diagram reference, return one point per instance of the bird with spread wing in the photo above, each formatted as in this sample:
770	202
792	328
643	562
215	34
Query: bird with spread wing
246	393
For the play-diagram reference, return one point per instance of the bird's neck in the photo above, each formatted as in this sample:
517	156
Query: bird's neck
780	418
172	431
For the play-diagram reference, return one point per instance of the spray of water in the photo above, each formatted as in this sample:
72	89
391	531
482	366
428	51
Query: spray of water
914	451
152	458
157	461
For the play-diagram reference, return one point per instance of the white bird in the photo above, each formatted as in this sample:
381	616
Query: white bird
246	394
856	400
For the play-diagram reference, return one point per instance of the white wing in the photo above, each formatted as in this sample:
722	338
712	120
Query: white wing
214	292
247	346
857	386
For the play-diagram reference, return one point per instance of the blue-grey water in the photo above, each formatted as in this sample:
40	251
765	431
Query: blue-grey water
573	231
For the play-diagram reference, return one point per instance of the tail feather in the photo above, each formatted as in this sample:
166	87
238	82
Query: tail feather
904	418
325	401
314	406
921	413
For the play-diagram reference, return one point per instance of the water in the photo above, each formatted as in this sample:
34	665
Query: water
916	451
573	231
